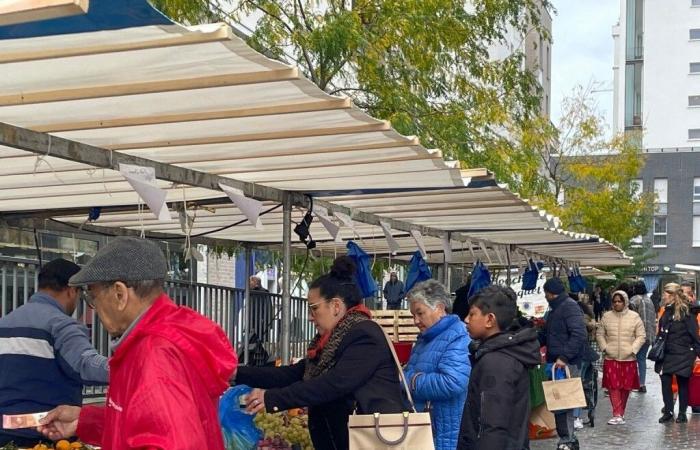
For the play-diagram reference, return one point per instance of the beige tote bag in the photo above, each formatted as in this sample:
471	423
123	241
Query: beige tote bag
404	431
564	394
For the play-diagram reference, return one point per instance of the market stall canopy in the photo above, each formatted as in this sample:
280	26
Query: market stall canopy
199	99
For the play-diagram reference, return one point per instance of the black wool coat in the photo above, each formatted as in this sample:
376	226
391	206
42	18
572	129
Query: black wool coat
682	344
364	377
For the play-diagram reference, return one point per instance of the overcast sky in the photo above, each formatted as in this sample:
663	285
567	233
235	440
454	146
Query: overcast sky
583	49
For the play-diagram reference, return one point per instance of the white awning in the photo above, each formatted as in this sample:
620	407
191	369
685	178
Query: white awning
201	99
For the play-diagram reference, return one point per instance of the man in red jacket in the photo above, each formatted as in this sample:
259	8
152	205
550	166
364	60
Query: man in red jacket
169	364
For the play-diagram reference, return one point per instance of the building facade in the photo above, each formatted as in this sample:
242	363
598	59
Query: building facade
657	91
537	50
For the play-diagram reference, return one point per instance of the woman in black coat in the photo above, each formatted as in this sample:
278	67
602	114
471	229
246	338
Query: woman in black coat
349	365
679	324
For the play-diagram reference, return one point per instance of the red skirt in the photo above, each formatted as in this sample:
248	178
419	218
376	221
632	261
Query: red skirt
622	375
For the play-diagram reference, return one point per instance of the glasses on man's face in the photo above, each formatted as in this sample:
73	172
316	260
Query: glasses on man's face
90	295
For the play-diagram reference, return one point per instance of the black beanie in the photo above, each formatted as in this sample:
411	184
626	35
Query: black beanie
554	286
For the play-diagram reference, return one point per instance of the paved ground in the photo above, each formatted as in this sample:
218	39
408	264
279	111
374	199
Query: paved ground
642	430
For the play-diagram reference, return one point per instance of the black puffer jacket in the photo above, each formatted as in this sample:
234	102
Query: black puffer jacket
498	401
365	375
565	332
682	343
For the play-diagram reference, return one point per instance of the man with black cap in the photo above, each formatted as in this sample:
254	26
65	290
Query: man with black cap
565	336
45	355
169	364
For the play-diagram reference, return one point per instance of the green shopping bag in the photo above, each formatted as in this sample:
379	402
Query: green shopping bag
537	376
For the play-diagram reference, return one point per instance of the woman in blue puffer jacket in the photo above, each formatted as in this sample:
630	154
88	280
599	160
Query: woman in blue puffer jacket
439	367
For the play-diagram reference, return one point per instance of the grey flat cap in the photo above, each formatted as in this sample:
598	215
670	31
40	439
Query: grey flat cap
123	259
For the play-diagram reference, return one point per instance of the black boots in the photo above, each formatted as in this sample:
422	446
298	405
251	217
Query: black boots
682	418
667	417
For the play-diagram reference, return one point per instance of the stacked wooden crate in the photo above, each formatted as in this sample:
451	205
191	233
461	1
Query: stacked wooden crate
397	323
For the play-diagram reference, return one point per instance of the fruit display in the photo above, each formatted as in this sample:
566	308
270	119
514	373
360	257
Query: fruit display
60	445
284	431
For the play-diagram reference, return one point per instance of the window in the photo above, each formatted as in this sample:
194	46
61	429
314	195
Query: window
660	231
695	67
661	196
695	3
635	29
696	231
549	63
694	100
694	133
661	189
694	34
696	190
633	94
637	188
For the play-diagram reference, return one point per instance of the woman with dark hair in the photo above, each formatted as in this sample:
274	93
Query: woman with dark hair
348	367
679	326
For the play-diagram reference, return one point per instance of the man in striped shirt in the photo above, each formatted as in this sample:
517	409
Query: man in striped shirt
45	355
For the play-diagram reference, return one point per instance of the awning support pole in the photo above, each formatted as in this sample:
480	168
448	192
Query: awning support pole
246	306
508	262
286	276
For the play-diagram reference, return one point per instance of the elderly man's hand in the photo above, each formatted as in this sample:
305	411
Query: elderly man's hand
60	423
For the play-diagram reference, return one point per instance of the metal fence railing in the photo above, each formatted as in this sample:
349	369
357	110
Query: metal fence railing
223	305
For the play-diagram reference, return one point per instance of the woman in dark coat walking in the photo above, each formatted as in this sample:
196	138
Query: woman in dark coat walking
349	365
679	324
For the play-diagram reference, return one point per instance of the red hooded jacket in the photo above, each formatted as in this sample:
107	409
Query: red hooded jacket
165	382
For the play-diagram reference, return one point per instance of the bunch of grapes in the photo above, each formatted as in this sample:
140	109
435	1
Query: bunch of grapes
284	432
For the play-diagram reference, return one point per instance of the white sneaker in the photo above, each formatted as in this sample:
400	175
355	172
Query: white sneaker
578	424
616	421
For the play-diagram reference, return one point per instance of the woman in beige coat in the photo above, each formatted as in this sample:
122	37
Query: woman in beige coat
620	335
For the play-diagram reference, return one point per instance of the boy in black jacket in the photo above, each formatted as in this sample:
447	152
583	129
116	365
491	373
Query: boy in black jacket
497	410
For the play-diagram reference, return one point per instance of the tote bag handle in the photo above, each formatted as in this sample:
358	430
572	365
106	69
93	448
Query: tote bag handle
402	376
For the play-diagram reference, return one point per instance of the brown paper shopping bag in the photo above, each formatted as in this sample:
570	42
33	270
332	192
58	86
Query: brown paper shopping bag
564	394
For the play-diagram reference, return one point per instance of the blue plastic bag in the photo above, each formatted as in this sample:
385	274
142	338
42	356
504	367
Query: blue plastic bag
240	433
480	278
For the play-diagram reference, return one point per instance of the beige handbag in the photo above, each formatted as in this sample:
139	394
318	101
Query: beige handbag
564	394
403	431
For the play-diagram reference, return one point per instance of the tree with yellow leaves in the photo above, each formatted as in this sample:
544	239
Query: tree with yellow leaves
585	177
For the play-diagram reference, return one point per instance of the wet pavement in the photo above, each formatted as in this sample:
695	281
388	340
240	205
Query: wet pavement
642	430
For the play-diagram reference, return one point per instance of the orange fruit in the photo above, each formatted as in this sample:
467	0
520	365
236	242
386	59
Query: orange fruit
41	447
77	445
62	445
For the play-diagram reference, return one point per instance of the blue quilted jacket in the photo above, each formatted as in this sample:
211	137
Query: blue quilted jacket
438	372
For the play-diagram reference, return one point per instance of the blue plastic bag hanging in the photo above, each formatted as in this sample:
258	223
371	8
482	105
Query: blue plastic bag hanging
363	275
418	271
480	278
530	276
583	284
240	433
576	282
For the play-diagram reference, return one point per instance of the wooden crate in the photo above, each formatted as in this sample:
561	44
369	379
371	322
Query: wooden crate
397	324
